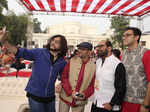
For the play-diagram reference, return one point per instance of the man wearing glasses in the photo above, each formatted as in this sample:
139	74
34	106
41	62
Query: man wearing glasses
110	80
78	80
137	63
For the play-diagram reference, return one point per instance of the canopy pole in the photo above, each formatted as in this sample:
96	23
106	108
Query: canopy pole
140	23
30	31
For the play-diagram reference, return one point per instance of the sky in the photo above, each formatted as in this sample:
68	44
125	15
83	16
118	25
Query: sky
103	24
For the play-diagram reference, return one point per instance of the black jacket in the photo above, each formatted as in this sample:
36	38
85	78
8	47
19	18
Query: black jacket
120	85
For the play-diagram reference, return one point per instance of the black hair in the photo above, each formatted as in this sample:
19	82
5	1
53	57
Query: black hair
75	52
108	43
116	53
136	32
63	48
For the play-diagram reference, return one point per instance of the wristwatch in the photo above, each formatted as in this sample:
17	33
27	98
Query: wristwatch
146	106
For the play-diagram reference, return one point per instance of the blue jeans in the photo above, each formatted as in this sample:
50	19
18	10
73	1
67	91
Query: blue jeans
41	107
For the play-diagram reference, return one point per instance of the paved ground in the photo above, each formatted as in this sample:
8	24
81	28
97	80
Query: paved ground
14	104
13	97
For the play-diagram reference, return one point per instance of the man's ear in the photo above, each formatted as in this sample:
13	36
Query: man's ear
89	53
137	37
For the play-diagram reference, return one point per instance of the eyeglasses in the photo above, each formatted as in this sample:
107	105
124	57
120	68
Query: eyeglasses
127	35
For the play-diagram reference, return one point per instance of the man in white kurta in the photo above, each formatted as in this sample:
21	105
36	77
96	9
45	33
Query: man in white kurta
110	78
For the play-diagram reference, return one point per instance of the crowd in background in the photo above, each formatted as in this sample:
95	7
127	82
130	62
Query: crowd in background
7	59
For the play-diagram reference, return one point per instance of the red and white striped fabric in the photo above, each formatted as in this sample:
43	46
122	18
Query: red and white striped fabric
114	7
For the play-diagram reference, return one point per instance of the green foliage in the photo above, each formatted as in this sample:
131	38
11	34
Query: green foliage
118	23
16	25
3	4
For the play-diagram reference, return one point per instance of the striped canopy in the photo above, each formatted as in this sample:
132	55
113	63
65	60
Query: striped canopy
112	7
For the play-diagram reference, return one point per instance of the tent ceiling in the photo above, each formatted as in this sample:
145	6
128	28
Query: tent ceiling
111	7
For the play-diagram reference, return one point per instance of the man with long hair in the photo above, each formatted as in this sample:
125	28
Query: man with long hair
47	65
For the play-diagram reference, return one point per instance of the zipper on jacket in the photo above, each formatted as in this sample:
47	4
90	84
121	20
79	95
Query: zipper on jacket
46	89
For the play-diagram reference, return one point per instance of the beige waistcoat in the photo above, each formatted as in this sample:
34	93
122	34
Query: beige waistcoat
75	67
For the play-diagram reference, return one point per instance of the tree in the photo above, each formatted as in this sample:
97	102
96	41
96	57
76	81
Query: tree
118	24
3	4
17	27
36	26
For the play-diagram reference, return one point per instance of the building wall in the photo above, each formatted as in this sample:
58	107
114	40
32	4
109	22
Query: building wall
74	32
146	40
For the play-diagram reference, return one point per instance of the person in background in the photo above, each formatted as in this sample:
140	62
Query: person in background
137	63
6	57
17	64
75	54
47	64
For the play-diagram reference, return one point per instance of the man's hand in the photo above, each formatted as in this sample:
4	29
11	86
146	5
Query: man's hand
142	109
77	97
3	34
107	106
73	94
58	88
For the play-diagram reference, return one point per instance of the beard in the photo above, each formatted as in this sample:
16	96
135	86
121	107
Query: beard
102	53
82	57
54	49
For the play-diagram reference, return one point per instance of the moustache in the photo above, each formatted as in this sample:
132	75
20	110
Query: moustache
102	53
54	50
